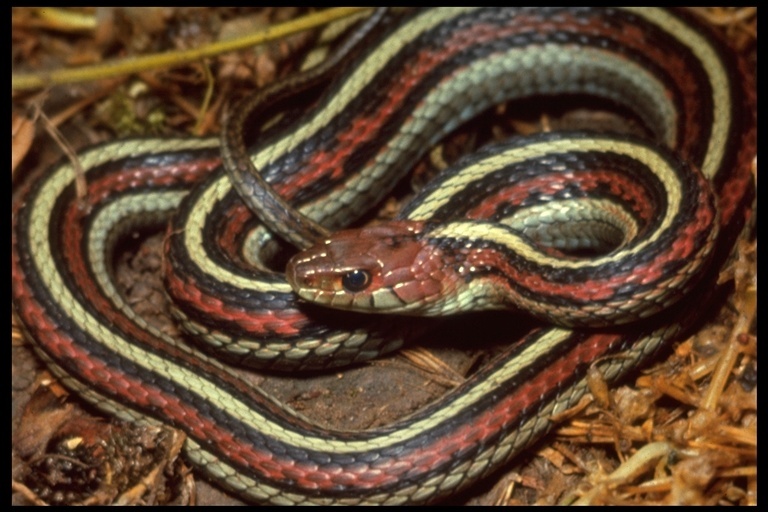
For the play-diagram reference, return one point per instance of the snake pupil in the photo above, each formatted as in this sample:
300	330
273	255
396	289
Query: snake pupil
356	280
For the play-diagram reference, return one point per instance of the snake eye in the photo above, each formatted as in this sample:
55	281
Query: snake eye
356	280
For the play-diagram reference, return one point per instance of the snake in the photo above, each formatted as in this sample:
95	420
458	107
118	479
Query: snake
415	80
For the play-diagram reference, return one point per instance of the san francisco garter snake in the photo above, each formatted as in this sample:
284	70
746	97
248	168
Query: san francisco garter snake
428	74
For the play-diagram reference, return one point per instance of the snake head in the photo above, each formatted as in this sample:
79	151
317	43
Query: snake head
382	269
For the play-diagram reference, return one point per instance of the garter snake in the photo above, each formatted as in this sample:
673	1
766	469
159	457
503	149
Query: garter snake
688	88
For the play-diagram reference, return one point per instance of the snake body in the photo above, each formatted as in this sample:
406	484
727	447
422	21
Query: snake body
554	188
423	78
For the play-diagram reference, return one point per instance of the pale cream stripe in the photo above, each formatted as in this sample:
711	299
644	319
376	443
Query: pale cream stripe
190	379
193	241
193	235
544	217
501	64
186	378
505	236
718	78
515	64
361	77
98	237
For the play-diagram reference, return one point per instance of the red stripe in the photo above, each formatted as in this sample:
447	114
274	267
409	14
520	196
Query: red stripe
329	163
258	323
618	184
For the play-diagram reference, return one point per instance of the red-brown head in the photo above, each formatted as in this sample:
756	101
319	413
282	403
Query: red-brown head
379	269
